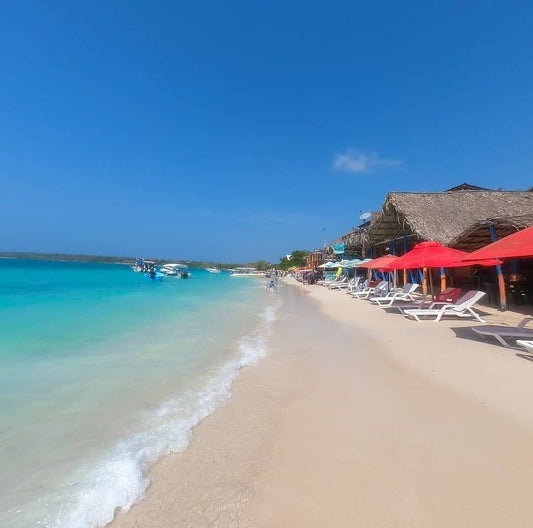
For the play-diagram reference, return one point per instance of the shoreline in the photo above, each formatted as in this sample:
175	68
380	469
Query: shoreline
357	417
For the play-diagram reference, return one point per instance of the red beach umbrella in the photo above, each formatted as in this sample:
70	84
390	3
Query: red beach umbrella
435	255
519	244
379	262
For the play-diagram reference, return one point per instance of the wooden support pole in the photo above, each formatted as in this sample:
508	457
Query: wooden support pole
425	281
442	279
501	288
501	281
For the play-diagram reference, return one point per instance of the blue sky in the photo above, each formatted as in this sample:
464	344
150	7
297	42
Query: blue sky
238	130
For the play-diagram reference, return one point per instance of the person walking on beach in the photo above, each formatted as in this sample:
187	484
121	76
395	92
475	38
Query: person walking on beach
272	286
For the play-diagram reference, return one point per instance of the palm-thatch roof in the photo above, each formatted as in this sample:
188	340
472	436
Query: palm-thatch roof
356	237
479	234
443	216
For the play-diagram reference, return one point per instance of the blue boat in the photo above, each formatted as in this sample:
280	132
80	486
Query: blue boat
154	275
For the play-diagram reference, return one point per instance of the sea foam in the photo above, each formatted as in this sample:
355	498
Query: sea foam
120	480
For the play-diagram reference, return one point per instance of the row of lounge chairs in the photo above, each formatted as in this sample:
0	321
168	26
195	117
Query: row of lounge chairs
450	302
447	303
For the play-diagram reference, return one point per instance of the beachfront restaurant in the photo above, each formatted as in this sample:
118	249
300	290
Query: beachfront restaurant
466	218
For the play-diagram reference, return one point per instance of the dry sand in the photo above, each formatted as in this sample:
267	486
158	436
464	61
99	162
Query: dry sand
358	418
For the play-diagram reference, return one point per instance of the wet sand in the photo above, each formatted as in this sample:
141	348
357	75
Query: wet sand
361	418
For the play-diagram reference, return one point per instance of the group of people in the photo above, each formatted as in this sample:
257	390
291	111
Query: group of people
311	277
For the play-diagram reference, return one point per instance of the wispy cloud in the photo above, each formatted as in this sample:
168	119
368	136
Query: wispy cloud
359	162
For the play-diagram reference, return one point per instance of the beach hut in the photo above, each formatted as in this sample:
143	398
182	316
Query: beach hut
488	230
517	250
409	218
517	245
516	276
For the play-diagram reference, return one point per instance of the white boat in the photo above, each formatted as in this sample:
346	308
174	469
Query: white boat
213	270
142	265
248	272
174	270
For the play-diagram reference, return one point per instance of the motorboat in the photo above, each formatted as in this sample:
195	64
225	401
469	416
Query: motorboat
248	272
174	269
142	265
213	270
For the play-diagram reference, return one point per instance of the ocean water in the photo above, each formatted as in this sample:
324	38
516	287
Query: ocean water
103	372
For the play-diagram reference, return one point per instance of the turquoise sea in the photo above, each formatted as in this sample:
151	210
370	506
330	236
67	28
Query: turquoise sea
103	372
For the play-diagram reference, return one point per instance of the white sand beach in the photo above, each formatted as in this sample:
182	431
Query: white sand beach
362	418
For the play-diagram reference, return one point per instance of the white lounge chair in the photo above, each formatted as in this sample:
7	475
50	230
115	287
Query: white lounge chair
528	345
335	284
365	293
404	294
357	285
463	308
503	333
350	285
448	296
325	282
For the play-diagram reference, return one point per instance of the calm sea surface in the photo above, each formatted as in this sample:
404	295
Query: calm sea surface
103	372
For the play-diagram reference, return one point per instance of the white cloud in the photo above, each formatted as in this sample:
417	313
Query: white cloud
360	162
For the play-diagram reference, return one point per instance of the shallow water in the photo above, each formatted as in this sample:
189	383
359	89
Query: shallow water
103	372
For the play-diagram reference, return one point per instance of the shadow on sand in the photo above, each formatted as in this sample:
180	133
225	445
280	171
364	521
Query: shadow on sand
466	333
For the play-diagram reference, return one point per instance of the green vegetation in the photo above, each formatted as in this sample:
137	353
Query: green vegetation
296	258
101	259
66	257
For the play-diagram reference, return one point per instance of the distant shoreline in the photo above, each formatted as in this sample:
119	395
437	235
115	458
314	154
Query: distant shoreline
61	257
123	260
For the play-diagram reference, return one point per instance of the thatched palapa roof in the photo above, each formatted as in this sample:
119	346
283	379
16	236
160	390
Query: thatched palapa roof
353	238
443	216
479	234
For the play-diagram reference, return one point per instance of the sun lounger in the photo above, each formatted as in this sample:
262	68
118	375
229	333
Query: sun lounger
450	295
503	334
341	284
343	279
446	296
350	285
357	285
369	290
528	345
463	308
405	294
